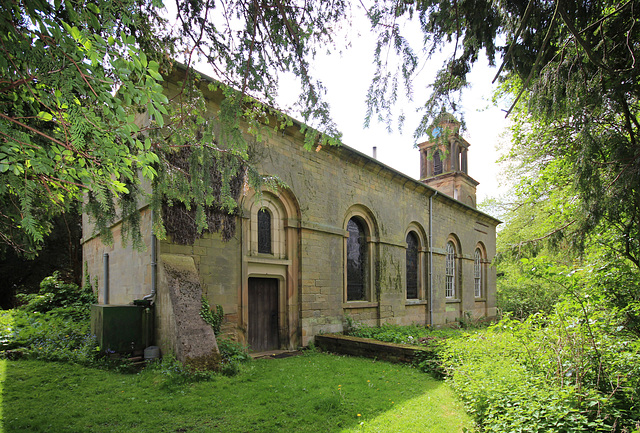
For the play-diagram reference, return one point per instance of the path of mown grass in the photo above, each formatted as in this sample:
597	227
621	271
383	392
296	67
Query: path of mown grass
311	393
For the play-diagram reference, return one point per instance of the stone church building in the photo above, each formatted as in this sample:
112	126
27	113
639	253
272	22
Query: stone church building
349	237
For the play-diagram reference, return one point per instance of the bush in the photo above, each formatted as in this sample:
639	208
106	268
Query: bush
48	336
521	293
234	354
55	293
52	324
556	373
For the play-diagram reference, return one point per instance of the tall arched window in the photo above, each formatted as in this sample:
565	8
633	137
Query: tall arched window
477	273
412	265
437	163
356	261
264	231
450	271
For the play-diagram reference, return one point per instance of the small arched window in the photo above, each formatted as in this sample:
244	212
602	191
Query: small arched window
264	231
437	163
412	265
450	271
477	273
356	261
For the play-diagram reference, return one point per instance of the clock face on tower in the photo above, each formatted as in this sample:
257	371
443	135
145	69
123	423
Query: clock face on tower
435	133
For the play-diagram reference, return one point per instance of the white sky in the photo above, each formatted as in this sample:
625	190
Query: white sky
347	78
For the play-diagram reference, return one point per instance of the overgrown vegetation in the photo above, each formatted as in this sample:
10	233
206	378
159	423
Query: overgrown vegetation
54	325
213	318
567	366
559	373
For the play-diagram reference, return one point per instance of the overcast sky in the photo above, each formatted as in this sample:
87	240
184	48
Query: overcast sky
347	79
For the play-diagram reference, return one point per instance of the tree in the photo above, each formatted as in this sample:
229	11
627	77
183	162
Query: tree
63	129
76	75
569	67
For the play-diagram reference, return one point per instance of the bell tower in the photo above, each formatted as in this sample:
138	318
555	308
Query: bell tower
443	161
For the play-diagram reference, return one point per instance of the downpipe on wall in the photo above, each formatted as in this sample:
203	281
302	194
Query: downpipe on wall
105	273
431	257
154	264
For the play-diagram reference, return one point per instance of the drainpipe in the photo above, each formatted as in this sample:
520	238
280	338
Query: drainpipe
105	273
431	257
154	264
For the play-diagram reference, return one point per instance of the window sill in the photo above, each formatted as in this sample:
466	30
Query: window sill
452	301
416	302
267	259
359	304
481	299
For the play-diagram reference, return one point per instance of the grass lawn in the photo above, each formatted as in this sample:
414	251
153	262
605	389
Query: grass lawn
311	393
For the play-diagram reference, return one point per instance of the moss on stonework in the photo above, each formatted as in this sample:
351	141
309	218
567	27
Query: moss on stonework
209	362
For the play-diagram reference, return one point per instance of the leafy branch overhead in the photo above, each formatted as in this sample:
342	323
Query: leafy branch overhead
85	109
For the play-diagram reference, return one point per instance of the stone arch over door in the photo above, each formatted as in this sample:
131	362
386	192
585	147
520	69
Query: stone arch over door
270	275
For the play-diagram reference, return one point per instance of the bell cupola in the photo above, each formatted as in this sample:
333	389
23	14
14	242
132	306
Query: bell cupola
443	161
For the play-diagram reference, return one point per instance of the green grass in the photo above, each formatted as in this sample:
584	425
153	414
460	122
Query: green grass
310	393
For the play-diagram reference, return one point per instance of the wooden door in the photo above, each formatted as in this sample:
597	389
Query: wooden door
263	314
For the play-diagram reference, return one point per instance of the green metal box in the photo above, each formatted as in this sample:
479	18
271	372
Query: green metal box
122	328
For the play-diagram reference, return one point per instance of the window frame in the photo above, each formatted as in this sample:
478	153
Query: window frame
478	273
369	226
418	266
362	249
450	291
265	211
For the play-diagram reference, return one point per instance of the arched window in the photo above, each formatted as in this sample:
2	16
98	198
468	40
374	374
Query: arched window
264	231
412	265
477	273
437	163
450	271
356	261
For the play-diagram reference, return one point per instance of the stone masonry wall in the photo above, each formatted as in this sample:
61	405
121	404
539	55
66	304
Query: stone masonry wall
328	187
129	269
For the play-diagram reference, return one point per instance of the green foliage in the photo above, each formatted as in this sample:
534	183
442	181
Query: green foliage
52	325
214	319
52	336
65	130
521	293
403	334
234	354
574	370
67	299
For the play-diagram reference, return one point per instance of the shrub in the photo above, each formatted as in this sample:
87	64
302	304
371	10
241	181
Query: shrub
175	373
48	336
521	293
52	324
55	293
556	373
234	354
212	318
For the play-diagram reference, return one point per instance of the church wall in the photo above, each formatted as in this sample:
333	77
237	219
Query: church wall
327	184
129	268
329	187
